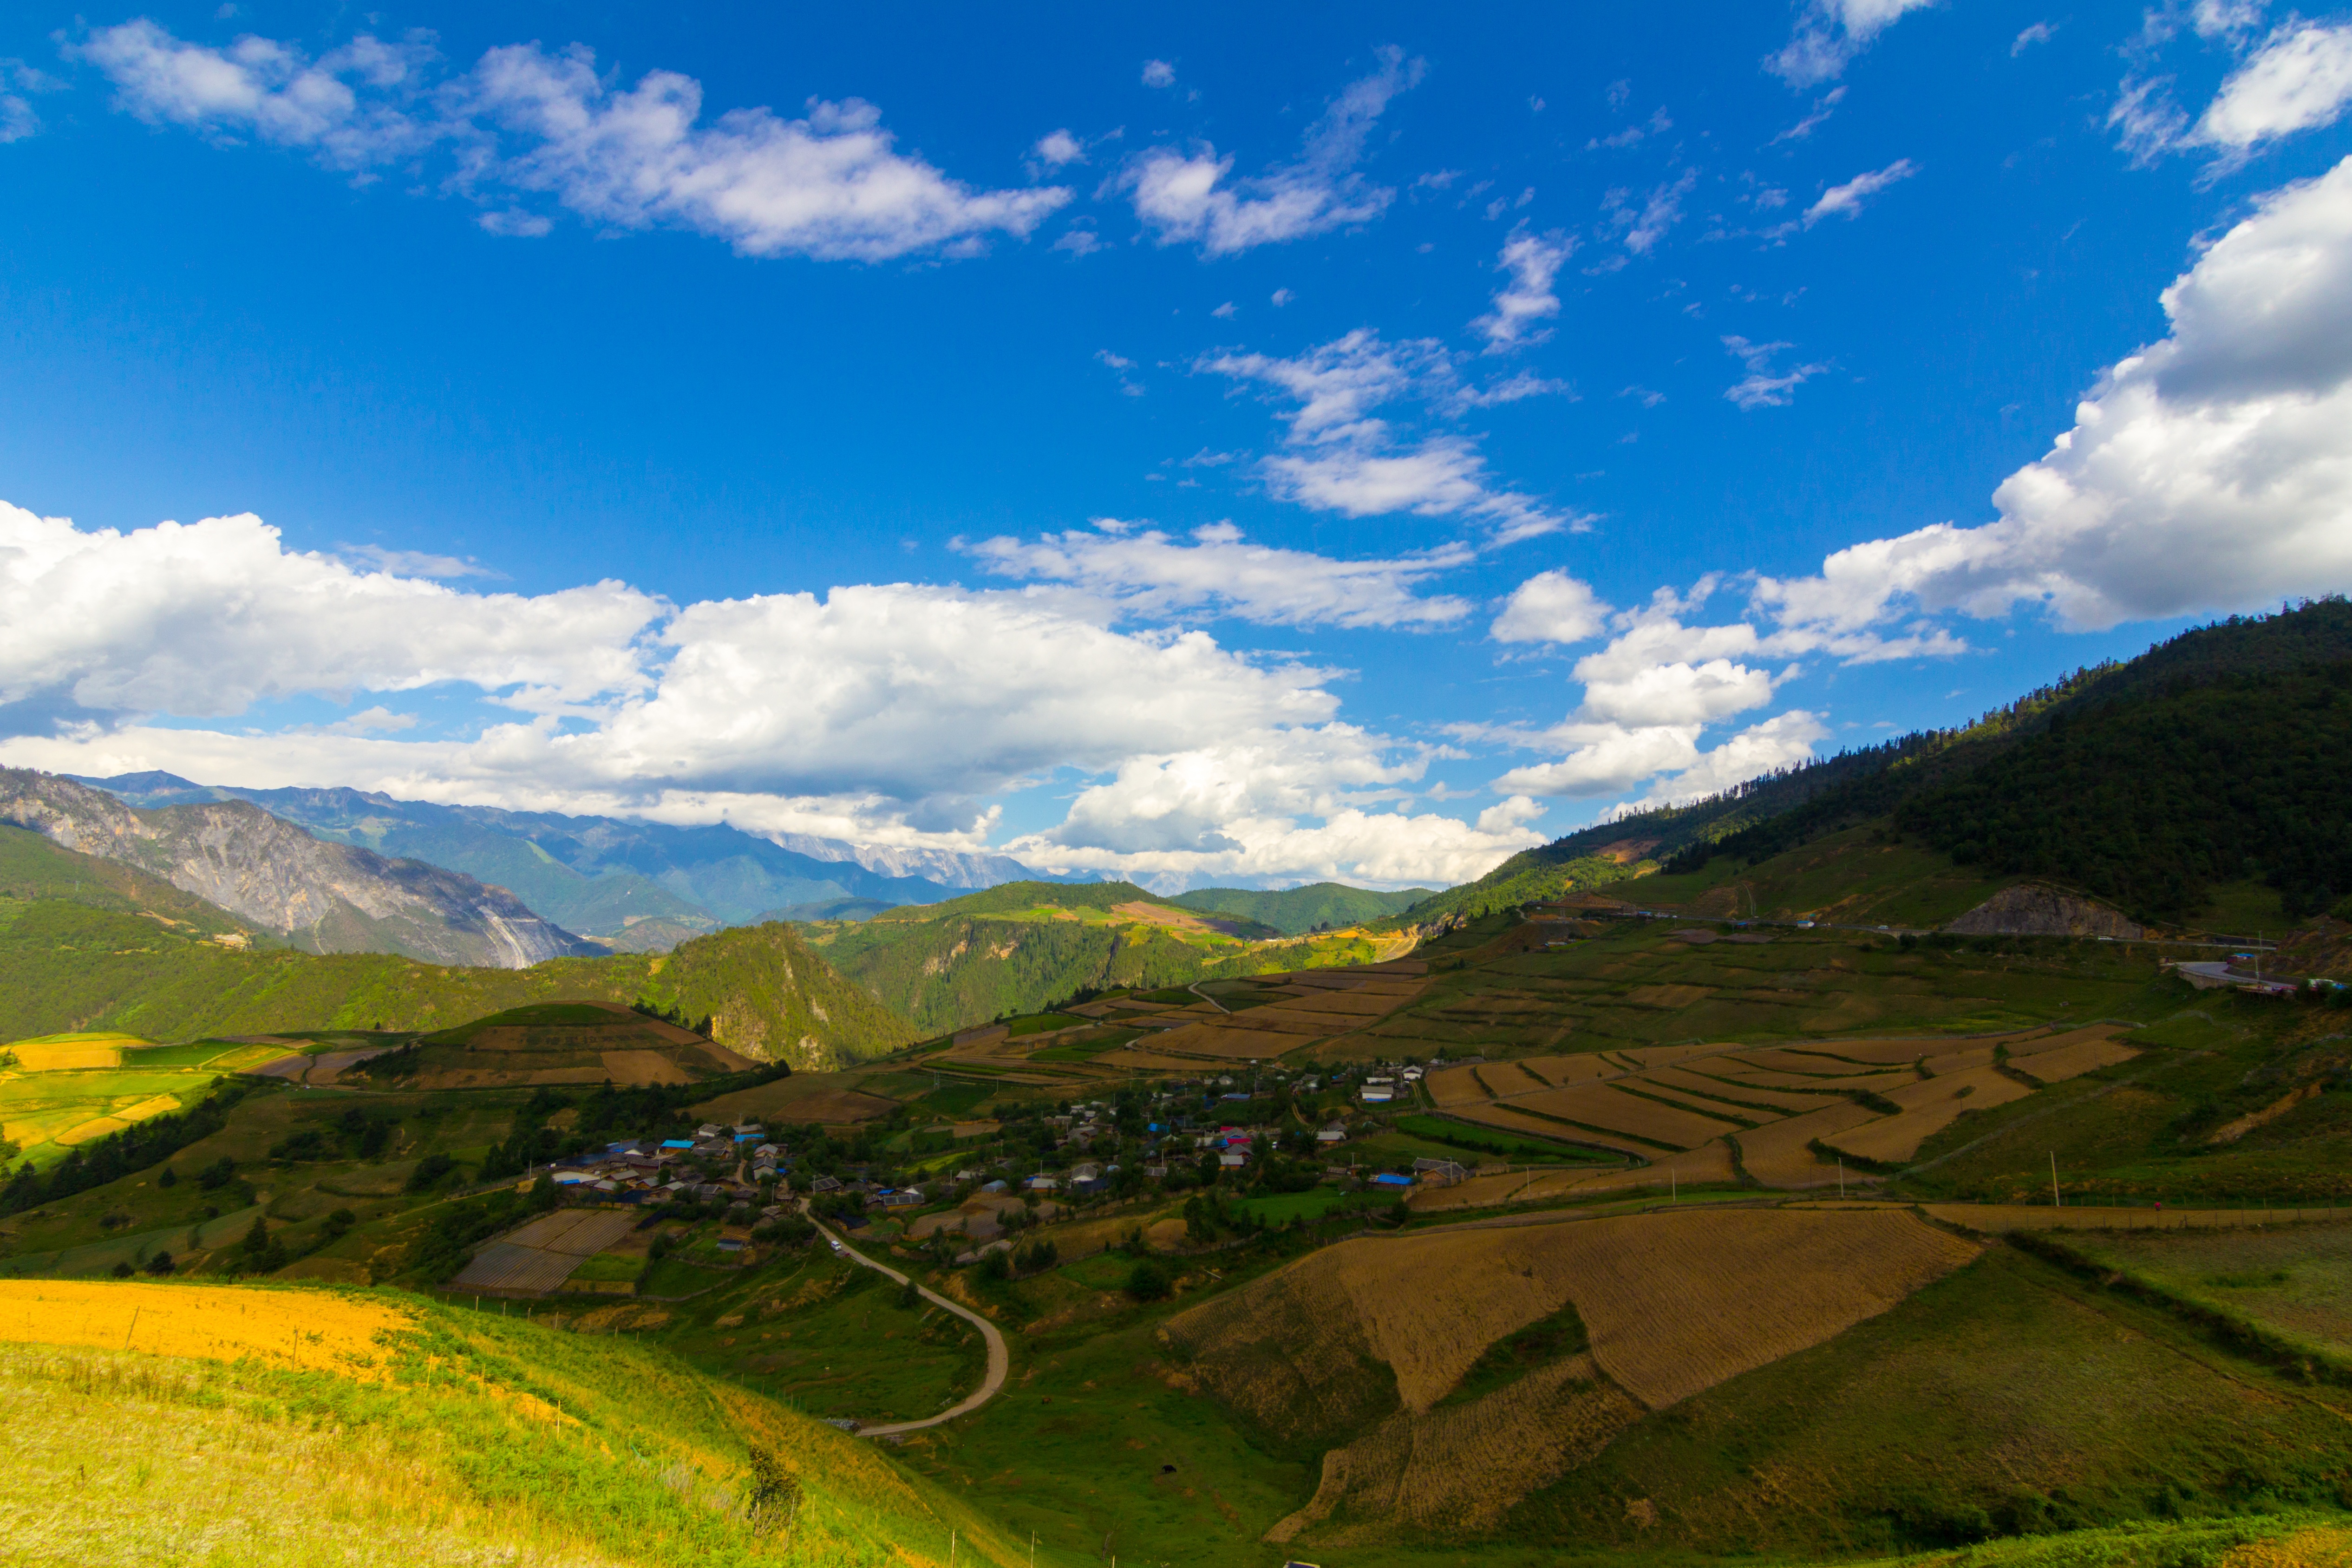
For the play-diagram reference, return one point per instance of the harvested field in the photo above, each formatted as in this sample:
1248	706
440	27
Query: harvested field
1959	1061
1465	1466
1695	1082
1768	1078
1610	1110
317	1330
1455	1086
1708	1105
1929	1106
2082	1051
1666	1056
543	1254
1815	1064
1507	1120
1776	1153
290	1067
803	1097
116	1120
73	1052
1747	1287
1503	1079
635	1069
1560	1072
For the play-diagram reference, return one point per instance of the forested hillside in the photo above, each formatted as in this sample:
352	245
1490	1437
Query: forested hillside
1318	906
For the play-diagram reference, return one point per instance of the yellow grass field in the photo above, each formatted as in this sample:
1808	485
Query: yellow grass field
1509	1078
1776	1153
1454	1085
67	1053
1774	1078
1813	1065
317	1330
633	1069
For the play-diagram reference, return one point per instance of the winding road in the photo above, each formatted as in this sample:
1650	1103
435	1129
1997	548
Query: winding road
1000	1359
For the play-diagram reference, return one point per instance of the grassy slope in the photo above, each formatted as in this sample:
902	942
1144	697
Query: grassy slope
648	1463
65	965
1293	910
1018	948
1861	875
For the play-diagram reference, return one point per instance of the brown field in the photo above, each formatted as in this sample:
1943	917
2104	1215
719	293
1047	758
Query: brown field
1929	1106
1454	1085
1463	1466
2082	1051
1810	1063
1747	1287
1769	1078
1509	1120
1959	1061
1560	1072
1776	1154
313	1329
1598	1105
1666	1056
1509	1078
633	1070
1693	1080
803	1097
1702	1103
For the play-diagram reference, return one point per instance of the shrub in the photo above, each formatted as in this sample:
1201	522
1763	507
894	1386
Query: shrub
160	1265
217	1174
996	1264
1148	1280
429	1171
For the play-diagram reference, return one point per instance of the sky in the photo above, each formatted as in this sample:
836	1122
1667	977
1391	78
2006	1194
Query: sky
1243	447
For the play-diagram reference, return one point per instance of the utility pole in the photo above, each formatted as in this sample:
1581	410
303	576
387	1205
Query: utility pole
2054	1180
1841	1178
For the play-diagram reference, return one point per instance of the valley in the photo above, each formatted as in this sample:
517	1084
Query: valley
1763	1182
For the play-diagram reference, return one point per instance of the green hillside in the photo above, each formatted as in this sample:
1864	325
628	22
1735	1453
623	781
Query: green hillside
1293	911
68	965
482	1438
34	867
1020	947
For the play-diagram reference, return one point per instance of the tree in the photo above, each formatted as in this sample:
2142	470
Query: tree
1148	1280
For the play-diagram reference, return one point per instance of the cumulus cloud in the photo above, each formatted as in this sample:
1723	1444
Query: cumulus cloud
1845	201
1298	803
1149	574
1830	33
2299	81
1341	457
1158	73
206	619
880	713
526	122
1760	387
1189	197
2210	471
1533	261
1554	608
1056	148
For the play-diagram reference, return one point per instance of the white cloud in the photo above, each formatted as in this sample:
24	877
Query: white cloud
1056	148
1554	608
1533	261
1226	312
208	618
1604	759
2299	81
1344	459
1760	388
416	562
1845	201
526	122
1823	107
1246	807
1186	198
882	713
1152	574
1158	73
1645	226
17	120
1281	297
1779	741
1831	33
2039	33
2212	471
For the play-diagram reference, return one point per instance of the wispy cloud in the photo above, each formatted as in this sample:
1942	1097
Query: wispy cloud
1845	201
1830	33
1760	388
1533	262
527	124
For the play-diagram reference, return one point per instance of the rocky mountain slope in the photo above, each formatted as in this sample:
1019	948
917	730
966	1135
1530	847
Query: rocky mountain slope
321	895
642	886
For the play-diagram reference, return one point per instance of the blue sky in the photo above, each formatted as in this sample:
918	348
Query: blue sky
1243	447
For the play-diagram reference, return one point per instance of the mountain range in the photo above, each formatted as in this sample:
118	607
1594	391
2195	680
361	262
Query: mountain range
632	885
317	894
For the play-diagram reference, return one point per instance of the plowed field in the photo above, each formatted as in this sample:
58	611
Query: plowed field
1598	1105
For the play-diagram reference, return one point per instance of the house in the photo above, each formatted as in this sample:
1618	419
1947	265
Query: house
903	1198
1372	1096
1440	1173
1335	1133
826	1185
1086	1181
995	1186
1041	1183
1232	1158
709	1130
1385	1180
766	1152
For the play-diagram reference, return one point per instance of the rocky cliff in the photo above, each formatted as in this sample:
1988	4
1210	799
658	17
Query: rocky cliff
326	897
2031	908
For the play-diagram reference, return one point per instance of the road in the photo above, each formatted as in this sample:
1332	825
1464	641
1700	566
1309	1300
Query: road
1000	1359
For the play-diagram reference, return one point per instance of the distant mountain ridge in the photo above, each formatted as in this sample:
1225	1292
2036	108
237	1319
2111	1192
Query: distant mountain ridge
631	884
317	894
1295	911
